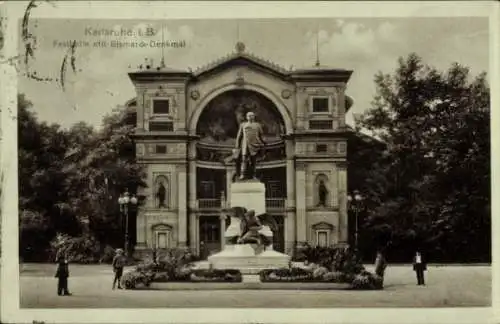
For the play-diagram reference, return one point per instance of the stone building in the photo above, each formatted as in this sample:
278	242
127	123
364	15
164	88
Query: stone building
186	128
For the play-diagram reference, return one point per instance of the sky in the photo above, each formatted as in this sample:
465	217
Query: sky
364	45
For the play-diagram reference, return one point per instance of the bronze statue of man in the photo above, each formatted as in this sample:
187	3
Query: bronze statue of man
249	142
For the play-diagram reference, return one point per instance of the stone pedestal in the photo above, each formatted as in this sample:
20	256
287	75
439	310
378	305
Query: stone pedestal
250	194
248	258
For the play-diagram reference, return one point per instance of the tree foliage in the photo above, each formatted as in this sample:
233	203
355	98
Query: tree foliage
430	184
70	179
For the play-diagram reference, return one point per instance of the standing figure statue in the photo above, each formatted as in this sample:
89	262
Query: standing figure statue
161	195
249	143
322	194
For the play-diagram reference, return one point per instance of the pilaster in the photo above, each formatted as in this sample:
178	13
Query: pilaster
141	229
182	204
342	200
290	237
301	221
290	174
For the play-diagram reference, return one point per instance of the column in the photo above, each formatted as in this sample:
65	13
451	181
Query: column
222	230
290	232
342	199
301	221
182	205
230	171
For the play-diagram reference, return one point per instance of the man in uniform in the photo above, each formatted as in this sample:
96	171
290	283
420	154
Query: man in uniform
249	142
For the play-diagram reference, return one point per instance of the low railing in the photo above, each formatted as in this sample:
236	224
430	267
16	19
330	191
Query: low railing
275	203
209	203
214	203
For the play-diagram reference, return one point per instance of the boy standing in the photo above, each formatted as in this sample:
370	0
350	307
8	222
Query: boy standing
118	263
62	274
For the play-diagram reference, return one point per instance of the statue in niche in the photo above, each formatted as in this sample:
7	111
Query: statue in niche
161	194
322	193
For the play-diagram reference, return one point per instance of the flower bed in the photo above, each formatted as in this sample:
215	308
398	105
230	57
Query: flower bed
361	281
134	278
302	275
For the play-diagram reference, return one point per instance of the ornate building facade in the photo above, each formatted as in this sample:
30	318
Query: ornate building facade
186	128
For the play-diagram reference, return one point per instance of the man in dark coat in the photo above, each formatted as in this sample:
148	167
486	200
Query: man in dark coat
419	266
62	274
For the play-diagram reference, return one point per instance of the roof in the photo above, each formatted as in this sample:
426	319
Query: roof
159	69
314	73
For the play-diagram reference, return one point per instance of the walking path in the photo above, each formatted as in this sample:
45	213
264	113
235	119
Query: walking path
91	287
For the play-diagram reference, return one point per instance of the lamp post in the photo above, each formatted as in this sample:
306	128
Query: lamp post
125	202
355	202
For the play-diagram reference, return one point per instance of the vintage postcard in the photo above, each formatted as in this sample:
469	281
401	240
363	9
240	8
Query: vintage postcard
247	162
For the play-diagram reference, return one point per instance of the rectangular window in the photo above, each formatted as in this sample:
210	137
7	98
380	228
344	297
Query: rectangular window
161	149
321	148
161	126
320	124
320	104
161	106
322	238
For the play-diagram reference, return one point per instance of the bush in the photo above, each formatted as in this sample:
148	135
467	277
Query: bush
362	280
216	275
145	275
84	249
286	274
107	255
337	277
131	279
175	262
337	259
320	272
367	281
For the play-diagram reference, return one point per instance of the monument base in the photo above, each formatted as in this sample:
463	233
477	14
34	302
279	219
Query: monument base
243	258
248	258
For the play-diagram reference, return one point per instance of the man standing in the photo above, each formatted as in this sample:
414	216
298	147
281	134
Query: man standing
62	274
419	267
249	142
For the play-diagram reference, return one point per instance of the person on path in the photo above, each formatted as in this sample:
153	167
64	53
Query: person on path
380	264
118	263
62	274
419	266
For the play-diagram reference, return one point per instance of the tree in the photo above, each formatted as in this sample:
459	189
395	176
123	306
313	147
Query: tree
69	180
103	165
436	129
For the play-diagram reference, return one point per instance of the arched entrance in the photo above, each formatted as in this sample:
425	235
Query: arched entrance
217	127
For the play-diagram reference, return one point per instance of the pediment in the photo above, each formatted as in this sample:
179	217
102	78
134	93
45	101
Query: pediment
323	226
238	60
161	227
